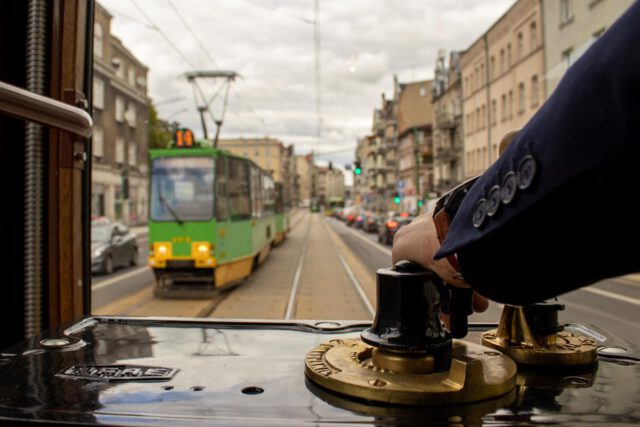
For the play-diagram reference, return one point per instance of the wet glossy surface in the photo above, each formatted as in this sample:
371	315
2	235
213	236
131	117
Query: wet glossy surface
235	373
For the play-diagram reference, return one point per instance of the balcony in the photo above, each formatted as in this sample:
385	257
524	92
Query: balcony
446	120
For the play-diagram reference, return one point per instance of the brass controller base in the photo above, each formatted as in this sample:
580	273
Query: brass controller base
354	368
515	338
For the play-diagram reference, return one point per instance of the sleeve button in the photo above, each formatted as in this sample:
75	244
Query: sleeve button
479	213
509	187
493	201
526	172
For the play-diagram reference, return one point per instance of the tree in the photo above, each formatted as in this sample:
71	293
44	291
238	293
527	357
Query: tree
160	131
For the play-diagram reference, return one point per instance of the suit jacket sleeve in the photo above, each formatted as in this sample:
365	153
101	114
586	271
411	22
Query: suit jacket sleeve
573	212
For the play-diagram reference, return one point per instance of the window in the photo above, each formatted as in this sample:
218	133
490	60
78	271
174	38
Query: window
502	61
477	120
98	40
131	115
510	104
119	150
534	36
504	108
117	63
132	76
534	91
182	188
566	12
598	33
98	141
494	112
256	193
520	45
509	55
238	189
484	116
119	109
132	153
423	91
567	57
521	98
492	69
222	209
482	75
98	93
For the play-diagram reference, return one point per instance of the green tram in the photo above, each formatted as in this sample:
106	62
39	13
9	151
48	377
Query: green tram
214	217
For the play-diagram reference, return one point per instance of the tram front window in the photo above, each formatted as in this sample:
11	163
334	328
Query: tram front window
182	189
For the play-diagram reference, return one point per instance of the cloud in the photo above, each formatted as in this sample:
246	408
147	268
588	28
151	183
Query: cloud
363	44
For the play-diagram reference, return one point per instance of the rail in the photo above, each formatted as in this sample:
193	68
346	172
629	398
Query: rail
32	107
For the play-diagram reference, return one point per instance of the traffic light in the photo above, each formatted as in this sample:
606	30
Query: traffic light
357	169
419	203
396	198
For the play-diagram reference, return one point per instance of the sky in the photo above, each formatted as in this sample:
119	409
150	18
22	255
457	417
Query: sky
270	43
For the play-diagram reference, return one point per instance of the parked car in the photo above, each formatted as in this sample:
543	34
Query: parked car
371	223
391	227
113	245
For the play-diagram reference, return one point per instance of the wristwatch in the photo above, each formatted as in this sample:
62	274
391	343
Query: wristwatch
444	211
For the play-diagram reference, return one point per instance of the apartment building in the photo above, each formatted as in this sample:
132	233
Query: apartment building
305	173
502	87
448	141
330	183
120	113
415	144
570	27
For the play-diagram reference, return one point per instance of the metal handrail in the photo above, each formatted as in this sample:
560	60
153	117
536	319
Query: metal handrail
29	106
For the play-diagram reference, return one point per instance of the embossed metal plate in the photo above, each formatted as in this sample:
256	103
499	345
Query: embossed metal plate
117	373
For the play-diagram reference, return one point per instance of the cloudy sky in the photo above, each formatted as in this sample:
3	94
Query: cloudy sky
270	43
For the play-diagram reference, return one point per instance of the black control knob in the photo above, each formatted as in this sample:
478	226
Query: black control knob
458	305
542	318
408	315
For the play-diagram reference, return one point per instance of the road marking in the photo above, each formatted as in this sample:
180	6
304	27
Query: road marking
291	304
612	295
120	277
364	239
352	277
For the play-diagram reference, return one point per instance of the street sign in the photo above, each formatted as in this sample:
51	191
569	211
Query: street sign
400	185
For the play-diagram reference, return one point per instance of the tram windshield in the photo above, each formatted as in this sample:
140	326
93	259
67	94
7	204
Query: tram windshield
182	189
259	149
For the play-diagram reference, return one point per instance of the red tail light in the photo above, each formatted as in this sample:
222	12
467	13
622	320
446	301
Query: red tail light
359	218
350	217
392	224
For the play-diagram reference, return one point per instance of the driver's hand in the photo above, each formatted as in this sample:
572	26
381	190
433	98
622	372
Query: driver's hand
418	242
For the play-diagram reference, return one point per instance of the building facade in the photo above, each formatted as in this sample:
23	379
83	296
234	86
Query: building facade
304	173
330	184
120	113
570	27
448	141
415	144
502	87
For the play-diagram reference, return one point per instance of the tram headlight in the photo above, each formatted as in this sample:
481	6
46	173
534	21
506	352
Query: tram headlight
203	249
162	249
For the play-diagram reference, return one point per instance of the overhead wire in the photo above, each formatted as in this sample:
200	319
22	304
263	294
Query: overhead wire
212	59
164	36
282	11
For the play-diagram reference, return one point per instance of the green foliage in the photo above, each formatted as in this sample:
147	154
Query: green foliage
160	133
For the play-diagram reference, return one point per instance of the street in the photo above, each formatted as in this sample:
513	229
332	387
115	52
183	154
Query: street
325	270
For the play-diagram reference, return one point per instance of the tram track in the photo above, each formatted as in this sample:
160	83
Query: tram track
309	276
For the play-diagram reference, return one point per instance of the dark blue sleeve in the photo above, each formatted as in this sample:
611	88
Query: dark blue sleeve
558	208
